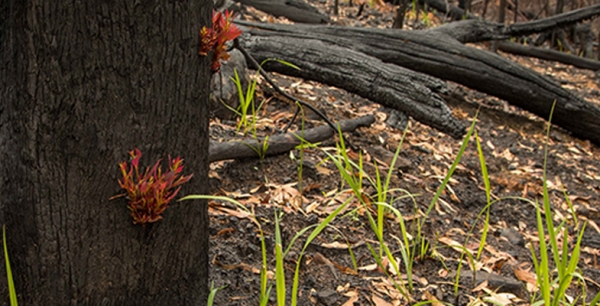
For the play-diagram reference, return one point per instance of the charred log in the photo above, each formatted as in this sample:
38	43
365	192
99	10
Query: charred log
294	10
551	55
407	91
477	30
280	143
437	54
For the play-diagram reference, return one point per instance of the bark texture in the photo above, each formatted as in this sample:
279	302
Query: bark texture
81	83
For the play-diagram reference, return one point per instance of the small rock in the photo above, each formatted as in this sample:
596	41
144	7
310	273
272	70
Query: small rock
313	219
306	164
496	282
422	149
387	157
229	122
556	136
396	119
309	282
327	297
513	236
254	248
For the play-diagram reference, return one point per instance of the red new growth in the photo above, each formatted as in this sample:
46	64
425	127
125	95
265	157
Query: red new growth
214	39
149	194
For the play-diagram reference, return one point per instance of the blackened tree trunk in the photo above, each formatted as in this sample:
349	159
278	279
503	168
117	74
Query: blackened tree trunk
81	83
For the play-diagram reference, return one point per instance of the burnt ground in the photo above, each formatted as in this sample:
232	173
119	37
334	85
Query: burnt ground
513	144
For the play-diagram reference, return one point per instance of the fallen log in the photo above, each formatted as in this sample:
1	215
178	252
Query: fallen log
477	30
520	28
412	93
550	55
294	10
437	54
280	143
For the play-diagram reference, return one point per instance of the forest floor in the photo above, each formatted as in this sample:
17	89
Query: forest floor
512	143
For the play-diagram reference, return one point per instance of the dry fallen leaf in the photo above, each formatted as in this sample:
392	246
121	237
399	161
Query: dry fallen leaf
379	301
481	286
526	276
224	231
432	299
335	245
216	210
371	267
351	300
498	298
323	171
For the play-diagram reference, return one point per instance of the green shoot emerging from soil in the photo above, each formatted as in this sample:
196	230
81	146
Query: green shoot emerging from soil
213	293
396	252
553	287
247	111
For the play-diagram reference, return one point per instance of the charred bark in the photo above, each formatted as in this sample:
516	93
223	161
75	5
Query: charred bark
550	55
412	93
437	54
476	30
294	10
81	83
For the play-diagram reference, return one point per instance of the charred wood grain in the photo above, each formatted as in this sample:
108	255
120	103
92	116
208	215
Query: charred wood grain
407	91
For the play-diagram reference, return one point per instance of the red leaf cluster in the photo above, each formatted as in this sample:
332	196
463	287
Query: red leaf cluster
214	38
149	193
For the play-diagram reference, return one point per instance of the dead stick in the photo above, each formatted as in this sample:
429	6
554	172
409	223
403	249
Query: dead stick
280	143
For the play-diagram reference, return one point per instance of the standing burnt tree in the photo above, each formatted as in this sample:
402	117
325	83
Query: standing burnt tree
81	84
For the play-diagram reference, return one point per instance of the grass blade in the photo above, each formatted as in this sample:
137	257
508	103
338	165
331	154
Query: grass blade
11	285
213	293
279	270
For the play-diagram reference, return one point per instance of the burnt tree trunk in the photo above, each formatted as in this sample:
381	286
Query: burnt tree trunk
440	53
81	83
501	19
400	13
